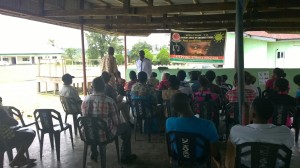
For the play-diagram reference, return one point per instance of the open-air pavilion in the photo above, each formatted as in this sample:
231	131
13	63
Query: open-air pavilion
142	17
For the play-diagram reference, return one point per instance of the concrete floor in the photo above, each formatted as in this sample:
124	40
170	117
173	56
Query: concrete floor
150	155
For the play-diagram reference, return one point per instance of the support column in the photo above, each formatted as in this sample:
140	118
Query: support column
125	54
240	55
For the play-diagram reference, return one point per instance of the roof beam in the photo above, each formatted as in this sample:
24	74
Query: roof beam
148	10
284	14
169	2
106	3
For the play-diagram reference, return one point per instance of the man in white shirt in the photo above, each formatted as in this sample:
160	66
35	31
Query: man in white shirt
259	131
144	64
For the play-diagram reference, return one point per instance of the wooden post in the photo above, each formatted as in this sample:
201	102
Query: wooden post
125	54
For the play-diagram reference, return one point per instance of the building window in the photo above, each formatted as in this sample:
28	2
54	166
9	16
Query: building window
40	57
280	54
5	59
54	57
25	59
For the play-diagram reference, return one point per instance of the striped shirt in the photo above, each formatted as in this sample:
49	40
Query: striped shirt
99	105
232	95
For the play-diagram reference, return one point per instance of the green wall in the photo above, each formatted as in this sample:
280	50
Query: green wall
230	73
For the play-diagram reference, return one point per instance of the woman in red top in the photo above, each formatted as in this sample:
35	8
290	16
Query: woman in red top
164	83
277	73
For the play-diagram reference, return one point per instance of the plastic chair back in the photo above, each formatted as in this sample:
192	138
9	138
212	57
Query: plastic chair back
262	155
182	148
89	128
44	119
207	109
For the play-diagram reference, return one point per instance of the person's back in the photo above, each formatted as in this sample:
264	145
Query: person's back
184	86
187	122
67	90
259	131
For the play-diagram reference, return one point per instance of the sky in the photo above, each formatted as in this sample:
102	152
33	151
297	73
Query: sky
17	32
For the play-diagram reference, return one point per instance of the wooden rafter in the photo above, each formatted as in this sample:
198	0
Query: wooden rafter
154	10
106	3
169	2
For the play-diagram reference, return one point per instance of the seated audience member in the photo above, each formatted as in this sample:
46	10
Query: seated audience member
297	82
259	131
277	73
224	79
184	86
173	88
249	83
20	139
167	94
152	80
204	94
194	76
133	80
142	90
112	93
120	83
164	84
281	97
187	122
100	105
210	76
232	97
67	90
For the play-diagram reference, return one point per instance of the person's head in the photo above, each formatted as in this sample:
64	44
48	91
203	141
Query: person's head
111	51
194	75
142	54
67	79
132	75
198	48
248	78
106	77
224	78
180	103
278	73
210	75
153	75
281	84
166	76
174	82
262	110
142	77
181	75
219	80
297	79
98	84
204	83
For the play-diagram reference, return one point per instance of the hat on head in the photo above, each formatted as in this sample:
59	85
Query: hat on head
67	77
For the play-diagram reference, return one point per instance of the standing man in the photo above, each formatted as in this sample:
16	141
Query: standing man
144	64
109	64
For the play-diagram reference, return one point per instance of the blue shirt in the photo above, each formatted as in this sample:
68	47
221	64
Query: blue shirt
195	125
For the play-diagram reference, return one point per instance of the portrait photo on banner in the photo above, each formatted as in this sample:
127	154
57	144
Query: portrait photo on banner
207	47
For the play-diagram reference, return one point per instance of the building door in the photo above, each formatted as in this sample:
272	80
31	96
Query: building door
13	61
32	60
280	56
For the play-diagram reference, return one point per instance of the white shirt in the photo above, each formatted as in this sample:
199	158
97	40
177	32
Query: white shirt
145	65
268	133
185	88
69	91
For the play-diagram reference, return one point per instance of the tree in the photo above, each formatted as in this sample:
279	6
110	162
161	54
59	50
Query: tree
148	54
163	56
71	53
134	53
98	44
120	59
